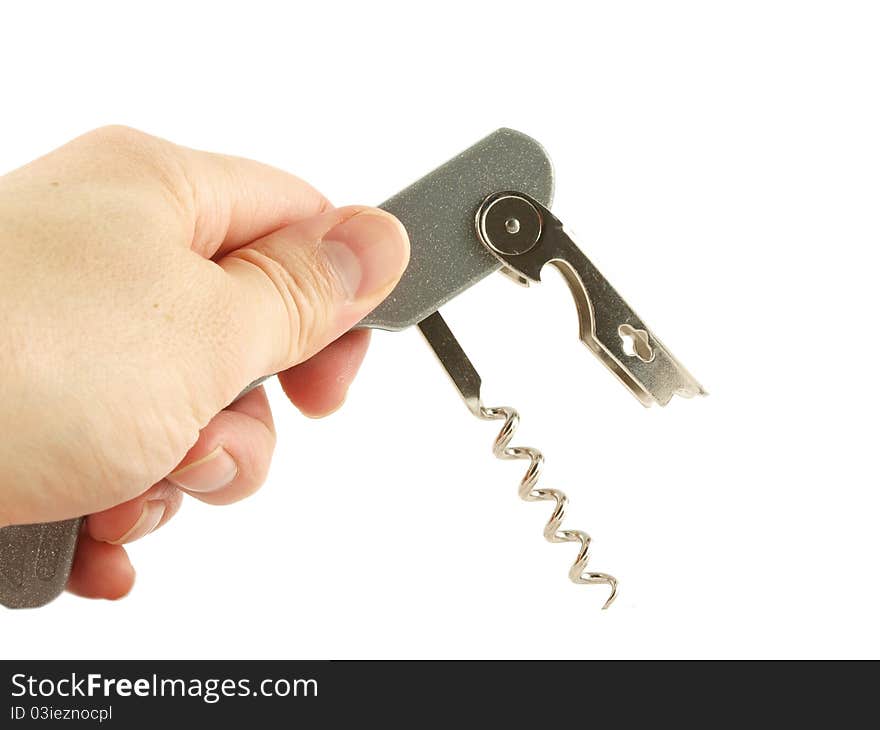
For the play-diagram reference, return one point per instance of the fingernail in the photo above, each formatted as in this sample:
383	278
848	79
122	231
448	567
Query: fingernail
208	474
151	515
367	252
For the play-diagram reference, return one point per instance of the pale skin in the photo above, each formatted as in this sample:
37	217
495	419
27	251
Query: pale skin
143	285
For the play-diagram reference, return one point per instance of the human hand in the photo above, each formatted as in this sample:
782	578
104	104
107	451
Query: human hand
143	285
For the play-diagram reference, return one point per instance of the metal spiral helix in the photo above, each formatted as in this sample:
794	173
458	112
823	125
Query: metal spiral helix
527	491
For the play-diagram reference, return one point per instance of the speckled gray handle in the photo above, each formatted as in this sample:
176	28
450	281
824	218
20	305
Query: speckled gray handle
438	211
446	258
35	562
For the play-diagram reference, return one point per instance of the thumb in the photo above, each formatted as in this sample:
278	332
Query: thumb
299	288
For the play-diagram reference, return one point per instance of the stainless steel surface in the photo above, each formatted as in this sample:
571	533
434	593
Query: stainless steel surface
454	360
608	325
465	377
509	224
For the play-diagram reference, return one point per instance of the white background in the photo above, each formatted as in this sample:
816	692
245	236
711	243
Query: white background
719	162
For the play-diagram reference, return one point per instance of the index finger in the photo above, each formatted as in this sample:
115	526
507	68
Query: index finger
222	202
236	200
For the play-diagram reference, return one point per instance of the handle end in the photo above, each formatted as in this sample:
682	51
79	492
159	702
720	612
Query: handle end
35	562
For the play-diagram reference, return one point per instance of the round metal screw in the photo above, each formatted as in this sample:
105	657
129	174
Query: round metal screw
509	224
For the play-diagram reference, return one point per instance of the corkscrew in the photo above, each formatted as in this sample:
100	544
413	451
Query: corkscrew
485	210
465	377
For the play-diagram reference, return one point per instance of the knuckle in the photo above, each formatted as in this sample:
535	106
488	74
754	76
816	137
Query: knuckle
313	292
306	290
117	135
140	159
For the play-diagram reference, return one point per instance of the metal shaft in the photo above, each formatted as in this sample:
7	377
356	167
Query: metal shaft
465	377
